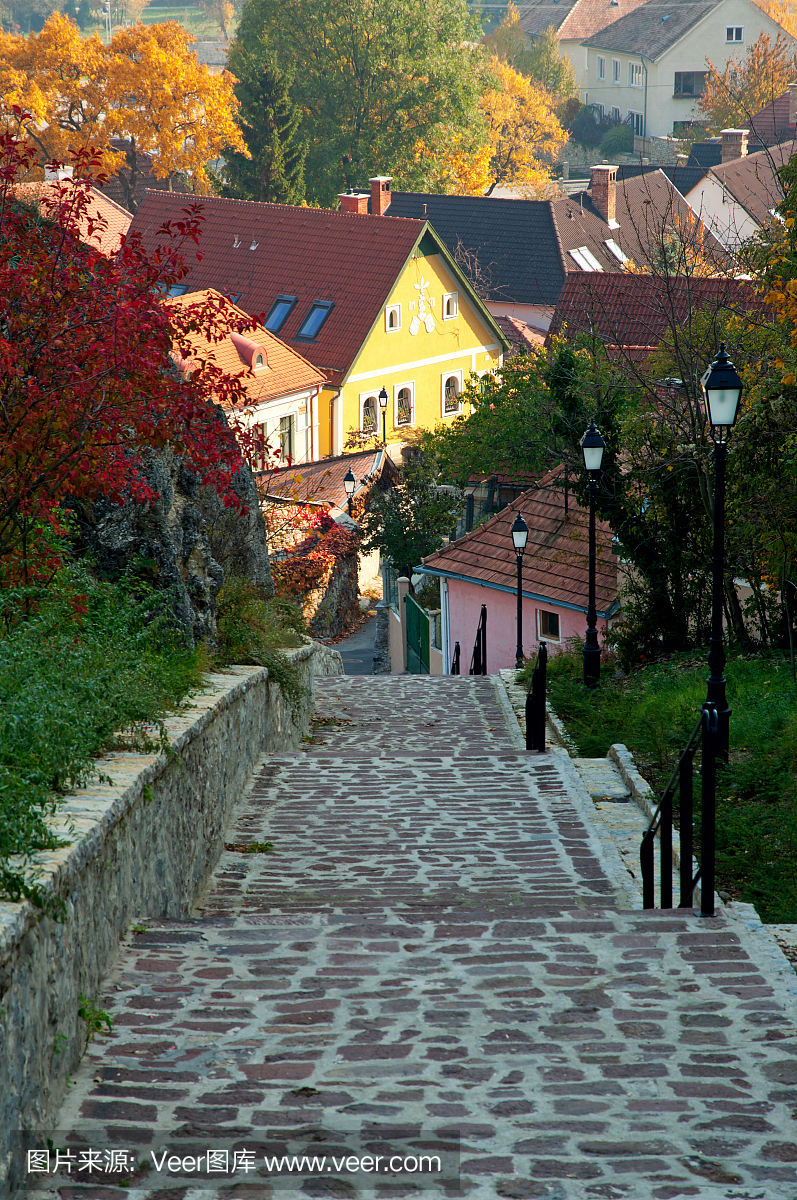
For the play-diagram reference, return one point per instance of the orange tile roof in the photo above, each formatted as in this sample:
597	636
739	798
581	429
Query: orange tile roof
51	194
322	482
555	564
285	372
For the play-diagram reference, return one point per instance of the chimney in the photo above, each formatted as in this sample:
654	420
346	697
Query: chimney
793	103
734	144
604	192
354	202
380	194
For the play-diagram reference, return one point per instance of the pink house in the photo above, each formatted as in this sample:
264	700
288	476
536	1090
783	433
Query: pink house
481	568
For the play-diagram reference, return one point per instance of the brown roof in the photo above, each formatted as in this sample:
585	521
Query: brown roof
772	123
652	28
555	564
322	482
573	19
753	180
521	335
285	371
114	220
633	312
257	252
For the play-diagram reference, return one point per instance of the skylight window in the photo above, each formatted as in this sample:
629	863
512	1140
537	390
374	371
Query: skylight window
279	313
613	248
585	259
314	319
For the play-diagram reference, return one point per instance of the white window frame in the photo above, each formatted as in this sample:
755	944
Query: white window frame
395	309
616	115
367	396
450	296
548	637
616	71
633	115
615	250
409	383
733	40
634	75
443	379
601	67
583	257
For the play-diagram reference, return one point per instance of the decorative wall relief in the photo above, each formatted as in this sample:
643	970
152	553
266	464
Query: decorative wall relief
423	316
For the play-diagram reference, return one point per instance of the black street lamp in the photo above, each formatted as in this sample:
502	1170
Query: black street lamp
383	406
350	483
722	390
592	447
520	533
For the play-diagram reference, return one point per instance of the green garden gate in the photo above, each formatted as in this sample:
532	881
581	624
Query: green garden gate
417	637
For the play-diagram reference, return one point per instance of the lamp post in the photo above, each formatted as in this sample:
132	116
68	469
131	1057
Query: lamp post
592	447
520	533
722	390
349	482
383	406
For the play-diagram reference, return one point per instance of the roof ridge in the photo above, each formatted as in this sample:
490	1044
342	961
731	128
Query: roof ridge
261	204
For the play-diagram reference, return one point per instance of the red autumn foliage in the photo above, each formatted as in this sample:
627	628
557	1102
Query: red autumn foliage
310	563
87	385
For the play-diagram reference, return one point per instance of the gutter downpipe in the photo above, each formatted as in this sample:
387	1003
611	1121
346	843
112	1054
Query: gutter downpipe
645	113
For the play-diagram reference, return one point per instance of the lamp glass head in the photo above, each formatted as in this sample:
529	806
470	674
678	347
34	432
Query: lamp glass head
722	390
520	533
349	482
592	447
383	398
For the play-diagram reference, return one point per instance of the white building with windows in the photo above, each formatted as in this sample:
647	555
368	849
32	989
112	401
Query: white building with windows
649	67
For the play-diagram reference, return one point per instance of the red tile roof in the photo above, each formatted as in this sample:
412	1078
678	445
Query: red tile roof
115	220
555	564
573	20
521	335
322	482
772	123
753	180
257	252
285	370
633	312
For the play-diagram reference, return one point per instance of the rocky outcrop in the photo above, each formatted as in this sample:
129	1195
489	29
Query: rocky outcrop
182	543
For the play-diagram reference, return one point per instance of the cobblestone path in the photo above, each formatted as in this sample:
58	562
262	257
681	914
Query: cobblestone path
434	960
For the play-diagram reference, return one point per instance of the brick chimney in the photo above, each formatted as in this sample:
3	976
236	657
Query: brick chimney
734	144
793	103
604	191
354	202
380	194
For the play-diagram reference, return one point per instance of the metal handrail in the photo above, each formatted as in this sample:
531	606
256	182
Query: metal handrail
661	823
478	662
535	702
455	660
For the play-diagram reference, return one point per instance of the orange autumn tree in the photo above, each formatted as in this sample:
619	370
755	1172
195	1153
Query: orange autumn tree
522	130
736	93
146	87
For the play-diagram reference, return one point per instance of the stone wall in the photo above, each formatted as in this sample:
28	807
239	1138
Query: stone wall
141	846
336	605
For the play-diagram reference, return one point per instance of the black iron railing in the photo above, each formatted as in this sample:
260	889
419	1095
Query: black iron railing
478	662
535	702
705	735
455	660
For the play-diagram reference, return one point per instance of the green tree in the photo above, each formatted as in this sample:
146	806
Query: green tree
410	520
83	13
546	65
382	84
270	124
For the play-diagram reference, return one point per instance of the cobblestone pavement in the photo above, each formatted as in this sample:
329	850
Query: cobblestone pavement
437	957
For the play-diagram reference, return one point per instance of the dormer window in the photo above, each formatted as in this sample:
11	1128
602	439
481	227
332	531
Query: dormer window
315	319
279	312
260	360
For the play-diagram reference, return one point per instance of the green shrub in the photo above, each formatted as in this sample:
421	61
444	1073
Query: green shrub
253	629
618	140
91	660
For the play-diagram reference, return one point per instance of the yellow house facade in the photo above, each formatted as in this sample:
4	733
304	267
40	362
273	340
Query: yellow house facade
427	340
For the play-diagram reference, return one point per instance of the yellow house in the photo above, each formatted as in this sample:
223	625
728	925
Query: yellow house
376	303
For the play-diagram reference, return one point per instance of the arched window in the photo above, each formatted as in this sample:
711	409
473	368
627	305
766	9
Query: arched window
451	395
368	423
259	360
404	406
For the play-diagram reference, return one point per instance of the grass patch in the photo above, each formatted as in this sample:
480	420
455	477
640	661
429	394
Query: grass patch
653	711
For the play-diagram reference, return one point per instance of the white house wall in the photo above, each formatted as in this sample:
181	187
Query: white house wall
655	98
726	219
303	407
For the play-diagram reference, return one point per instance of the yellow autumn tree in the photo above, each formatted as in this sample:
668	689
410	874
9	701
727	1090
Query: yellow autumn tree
146	87
522	131
735	94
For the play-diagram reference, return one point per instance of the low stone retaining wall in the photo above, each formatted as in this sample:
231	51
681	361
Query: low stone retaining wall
142	846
